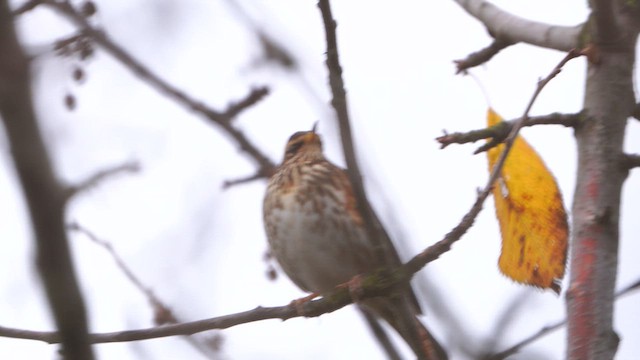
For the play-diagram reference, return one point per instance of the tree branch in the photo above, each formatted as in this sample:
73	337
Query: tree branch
329	303
44	195
162	314
26	7
220	118
100	176
339	103
499	132
553	327
381	283
435	251
481	56
506	26
631	161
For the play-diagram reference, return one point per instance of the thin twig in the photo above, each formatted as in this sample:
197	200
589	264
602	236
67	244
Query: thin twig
505	320
243	180
553	327
100	176
254	96
220	118
482	56
162	313
499	132
433	252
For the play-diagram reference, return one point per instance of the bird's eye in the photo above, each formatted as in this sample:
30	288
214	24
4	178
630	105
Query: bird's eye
294	147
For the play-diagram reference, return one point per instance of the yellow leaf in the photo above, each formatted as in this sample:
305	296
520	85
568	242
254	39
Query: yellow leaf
531	214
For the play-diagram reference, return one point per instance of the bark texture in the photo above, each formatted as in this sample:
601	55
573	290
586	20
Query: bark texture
608	102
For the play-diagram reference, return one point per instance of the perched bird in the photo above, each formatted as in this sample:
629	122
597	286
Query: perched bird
317	235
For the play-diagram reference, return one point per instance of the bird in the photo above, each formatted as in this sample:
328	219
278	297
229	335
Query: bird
318	236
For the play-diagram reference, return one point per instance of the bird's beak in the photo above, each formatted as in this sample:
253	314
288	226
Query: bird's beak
315	126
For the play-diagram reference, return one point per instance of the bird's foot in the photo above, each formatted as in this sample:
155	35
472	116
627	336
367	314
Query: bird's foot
298	304
354	285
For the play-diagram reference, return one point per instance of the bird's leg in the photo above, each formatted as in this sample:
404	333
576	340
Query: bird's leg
354	285
298	304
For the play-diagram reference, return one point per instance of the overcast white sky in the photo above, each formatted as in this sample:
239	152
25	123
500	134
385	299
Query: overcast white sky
201	248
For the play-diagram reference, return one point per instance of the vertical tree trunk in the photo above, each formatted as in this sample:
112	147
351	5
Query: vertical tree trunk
44	195
608	102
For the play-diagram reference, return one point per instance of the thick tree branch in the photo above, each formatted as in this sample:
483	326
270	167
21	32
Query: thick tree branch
636	112
44	195
608	102
482	56
631	161
506	26
498	133
220	118
26	7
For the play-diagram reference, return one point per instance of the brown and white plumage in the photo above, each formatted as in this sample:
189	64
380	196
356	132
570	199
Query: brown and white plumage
317	235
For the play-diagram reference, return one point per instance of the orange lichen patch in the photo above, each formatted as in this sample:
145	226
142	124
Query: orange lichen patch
532	218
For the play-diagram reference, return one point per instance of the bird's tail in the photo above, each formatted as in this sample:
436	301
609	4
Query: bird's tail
399	313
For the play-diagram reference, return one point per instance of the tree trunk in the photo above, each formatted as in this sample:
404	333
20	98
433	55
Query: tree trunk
608	102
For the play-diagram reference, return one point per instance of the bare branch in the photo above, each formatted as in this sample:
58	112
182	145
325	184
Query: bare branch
482	56
222	119
498	133
26	7
100	176
631	161
254	96
339	103
243	180
503	25
506	318
375	284
333	301
44	195
436	250
553	327
162	314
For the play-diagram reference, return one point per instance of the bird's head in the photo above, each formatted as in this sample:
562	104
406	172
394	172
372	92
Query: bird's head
303	144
